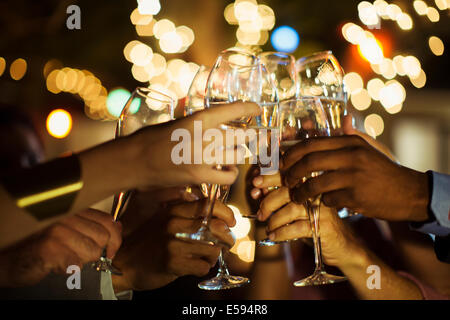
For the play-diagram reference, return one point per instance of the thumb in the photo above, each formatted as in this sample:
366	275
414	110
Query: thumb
348	125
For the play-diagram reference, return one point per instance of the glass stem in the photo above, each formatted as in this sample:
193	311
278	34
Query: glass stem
223	269
210	205
314	220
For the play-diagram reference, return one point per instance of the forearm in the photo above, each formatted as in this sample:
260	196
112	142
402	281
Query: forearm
392	286
270	261
106	170
102	172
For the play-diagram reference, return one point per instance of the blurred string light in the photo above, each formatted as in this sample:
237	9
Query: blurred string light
82	83
174	76
2	65
436	45
59	123
254	21
420	7
243	247
391	94
285	39
371	14
442	4
433	14
18	69
170	76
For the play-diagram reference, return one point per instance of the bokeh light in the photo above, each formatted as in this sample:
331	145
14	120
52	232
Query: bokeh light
436	45
2	65
242	227
117	99
420	80
147	7
18	69
405	21
392	94
373	87
420	7
433	14
285	39
374	125
371	50
59	123
361	99
353	82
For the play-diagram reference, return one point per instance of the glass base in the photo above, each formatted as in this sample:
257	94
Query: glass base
105	265
269	243
319	278
222	282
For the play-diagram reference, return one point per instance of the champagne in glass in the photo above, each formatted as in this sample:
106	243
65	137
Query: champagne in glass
300	120
322	76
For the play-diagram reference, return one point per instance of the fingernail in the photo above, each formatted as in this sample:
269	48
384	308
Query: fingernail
272	236
258	181
259	214
255	193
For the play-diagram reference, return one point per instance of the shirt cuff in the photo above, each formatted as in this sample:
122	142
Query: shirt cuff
439	223
106	287
440	198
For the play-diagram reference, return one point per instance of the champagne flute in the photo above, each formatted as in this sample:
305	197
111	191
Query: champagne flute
302	119
195	102
145	107
195	99
223	280
237	75
321	75
282	72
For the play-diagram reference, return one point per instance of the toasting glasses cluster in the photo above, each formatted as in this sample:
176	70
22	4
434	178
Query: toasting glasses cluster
299	100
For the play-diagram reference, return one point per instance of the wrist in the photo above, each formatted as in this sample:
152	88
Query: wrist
356	258
120	284
418	210
132	162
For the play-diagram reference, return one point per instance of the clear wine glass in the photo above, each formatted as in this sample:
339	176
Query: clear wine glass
282	71
223	280
302	119
195	99
195	102
237	75
322	76
145	107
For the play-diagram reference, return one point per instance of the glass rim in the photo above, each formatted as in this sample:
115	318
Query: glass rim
283	55
144	91
302	98
314	56
239	51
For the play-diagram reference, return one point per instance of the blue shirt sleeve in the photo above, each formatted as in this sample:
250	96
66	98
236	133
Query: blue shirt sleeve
439	206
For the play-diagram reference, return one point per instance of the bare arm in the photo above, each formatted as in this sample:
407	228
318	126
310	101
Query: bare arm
269	275
139	160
